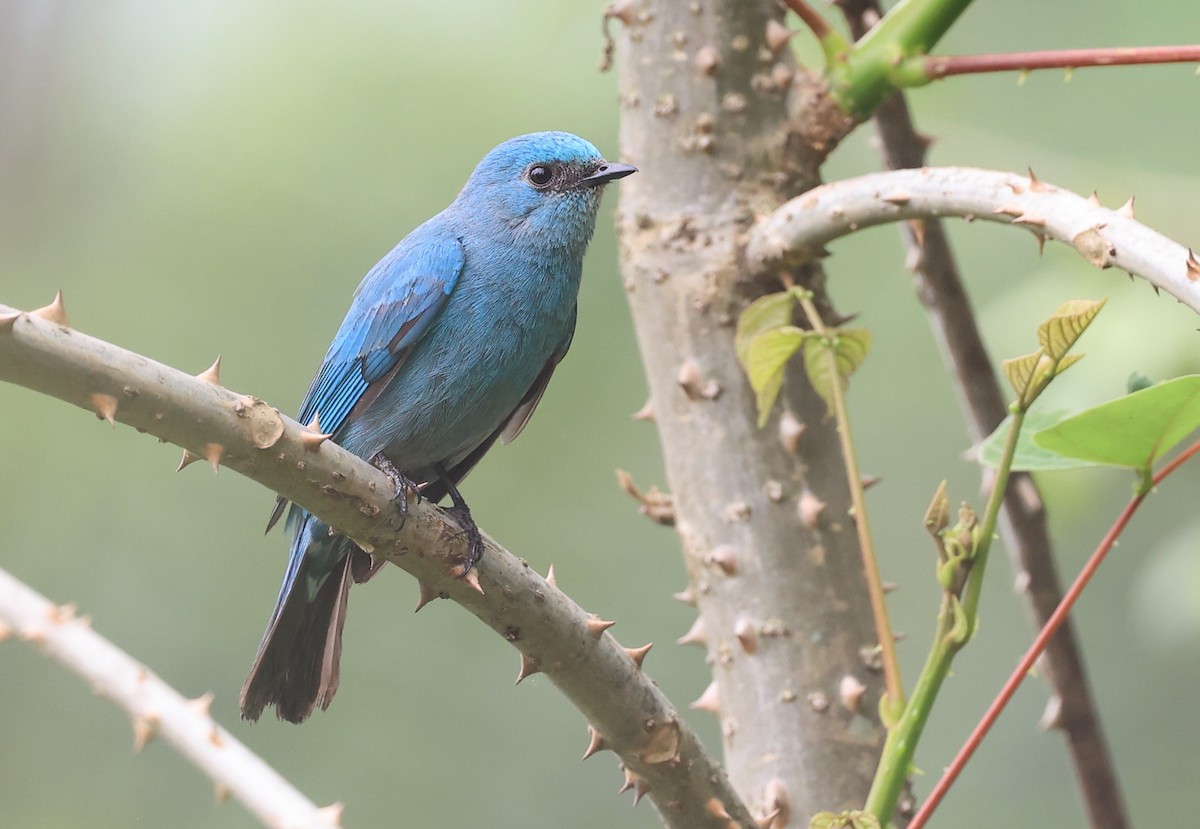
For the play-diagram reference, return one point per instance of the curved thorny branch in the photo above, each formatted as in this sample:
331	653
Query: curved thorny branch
798	230
626	712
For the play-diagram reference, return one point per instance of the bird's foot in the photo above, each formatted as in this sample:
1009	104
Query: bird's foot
405	489
462	515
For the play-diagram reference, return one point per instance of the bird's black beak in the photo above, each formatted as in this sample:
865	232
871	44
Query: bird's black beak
606	172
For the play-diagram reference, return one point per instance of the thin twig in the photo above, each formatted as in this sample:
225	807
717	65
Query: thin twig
862	525
935	67
157	709
1039	644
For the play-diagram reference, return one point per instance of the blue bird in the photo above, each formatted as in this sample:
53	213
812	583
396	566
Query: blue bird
448	346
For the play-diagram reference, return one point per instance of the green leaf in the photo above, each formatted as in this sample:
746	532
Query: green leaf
1020	371
764	314
849	348
1029	457
1067	325
1135	430
766	358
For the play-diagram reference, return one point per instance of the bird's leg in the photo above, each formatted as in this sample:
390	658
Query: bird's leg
405	488
462	513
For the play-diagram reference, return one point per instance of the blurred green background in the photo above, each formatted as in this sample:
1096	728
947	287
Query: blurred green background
204	178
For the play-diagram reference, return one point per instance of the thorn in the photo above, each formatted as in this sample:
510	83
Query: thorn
530	665
790	432
644	413
634	781
777	35
145	729
1094	199
780	802
7	321
202	704
220	793
687	595
596	627
55	312
767	821
105	407
332	813
596	743
890	587
1052	714
709	701
213	453
60	614
1010	209
851	691
212	374
744	630
313	437
656	505
696	635
1041	240
425	595
551	578
471	579
638	655
1126	209
1193	266
717	809
811	507
724	557
869	481
187	460
695	386
1036	185
898	198
1026	218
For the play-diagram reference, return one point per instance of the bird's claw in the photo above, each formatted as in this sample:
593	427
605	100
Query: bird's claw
404	487
462	515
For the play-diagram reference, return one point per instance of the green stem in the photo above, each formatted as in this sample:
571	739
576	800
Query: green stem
863	76
894	696
901	743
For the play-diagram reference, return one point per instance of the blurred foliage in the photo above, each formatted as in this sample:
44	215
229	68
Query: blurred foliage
204	178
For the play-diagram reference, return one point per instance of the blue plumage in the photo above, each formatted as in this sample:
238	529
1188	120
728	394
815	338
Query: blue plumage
447	347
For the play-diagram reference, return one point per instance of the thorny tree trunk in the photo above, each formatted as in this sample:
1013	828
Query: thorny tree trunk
725	128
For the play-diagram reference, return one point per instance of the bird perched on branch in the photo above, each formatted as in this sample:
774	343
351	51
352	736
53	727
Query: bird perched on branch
447	347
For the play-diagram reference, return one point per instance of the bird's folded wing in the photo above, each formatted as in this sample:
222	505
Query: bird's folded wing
393	307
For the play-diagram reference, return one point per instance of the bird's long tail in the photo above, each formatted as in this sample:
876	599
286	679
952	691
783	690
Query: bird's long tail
296	668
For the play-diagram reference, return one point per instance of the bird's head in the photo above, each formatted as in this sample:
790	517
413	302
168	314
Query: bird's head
545	184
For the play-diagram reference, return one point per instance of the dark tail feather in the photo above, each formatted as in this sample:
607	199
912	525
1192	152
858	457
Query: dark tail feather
296	667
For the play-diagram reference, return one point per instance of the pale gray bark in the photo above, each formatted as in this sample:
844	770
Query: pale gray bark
723	129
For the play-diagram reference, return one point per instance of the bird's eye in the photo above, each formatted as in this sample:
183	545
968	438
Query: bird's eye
540	175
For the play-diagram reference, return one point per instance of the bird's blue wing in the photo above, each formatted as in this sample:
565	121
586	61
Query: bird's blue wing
392	308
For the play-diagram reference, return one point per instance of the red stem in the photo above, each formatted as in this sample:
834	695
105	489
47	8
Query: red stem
1039	644
811	19
940	67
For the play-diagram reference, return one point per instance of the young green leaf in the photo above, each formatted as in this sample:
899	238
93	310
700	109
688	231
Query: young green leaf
1066	325
848	348
766	358
764	314
1029	457
1135	430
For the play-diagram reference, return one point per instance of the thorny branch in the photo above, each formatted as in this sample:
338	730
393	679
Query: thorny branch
626	711
797	231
